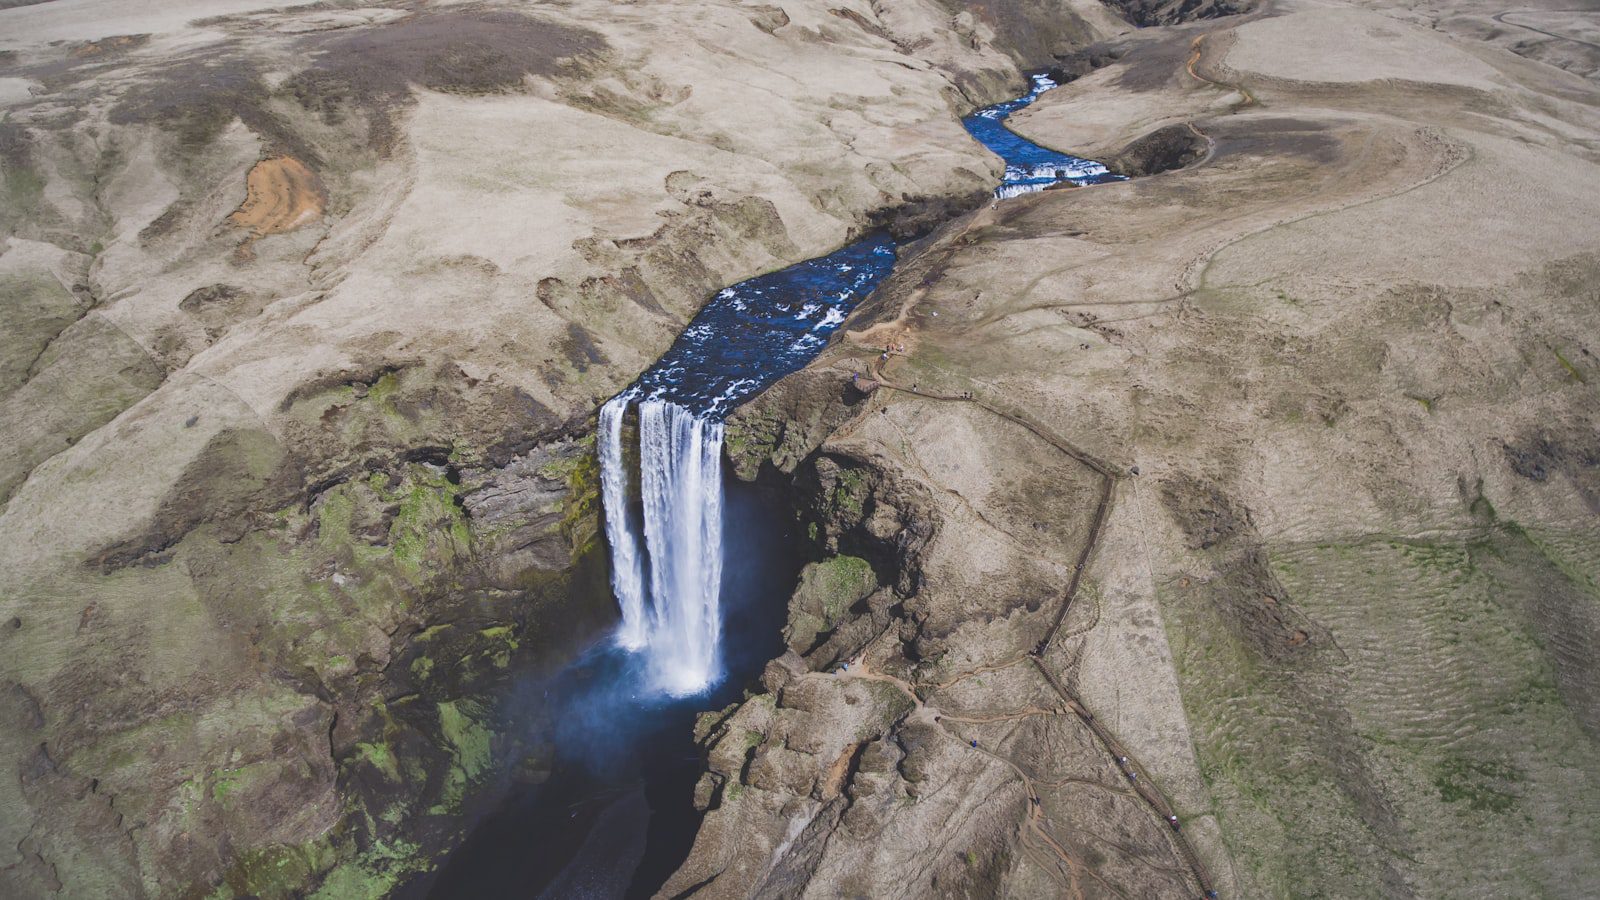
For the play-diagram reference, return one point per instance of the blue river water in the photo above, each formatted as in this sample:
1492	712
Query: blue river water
617	817
1029	167
757	331
750	335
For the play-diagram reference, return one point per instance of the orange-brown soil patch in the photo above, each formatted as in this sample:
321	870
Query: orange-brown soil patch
281	194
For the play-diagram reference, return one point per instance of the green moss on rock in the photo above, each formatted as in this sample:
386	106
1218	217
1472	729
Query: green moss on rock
430	526
374	874
827	591
850	494
276	872
461	725
380	757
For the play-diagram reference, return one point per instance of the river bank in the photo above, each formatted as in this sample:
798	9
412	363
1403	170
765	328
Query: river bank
1307	581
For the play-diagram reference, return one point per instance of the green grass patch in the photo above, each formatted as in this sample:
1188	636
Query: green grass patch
1571	369
1482	786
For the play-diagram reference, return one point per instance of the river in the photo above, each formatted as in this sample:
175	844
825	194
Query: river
702	567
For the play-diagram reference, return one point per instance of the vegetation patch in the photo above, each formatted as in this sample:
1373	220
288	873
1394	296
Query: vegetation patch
461	726
827	591
850	493
374	874
276	871
1479	785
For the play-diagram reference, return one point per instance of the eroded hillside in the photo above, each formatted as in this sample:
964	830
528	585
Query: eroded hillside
306	314
1336	371
1260	491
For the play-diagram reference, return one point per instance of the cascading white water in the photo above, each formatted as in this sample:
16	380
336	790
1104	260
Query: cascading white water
675	619
666	565
680	467
627	564
666	570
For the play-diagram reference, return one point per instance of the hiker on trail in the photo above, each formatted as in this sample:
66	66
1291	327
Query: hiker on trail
974	743
1173	821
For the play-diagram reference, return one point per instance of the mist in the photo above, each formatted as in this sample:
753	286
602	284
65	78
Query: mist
616	816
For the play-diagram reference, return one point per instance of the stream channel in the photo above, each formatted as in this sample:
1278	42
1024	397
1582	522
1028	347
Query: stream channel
702	605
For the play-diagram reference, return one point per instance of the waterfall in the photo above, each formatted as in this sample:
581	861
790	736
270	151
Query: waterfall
666	564
674	618
627	565
1029	167
680	467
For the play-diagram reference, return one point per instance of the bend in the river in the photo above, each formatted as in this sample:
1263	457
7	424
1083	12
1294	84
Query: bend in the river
666	553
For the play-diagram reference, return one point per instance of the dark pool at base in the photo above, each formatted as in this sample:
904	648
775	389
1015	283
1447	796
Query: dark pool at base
616	817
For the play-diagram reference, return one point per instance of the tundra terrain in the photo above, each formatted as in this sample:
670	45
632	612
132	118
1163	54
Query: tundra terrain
1260	490
307	313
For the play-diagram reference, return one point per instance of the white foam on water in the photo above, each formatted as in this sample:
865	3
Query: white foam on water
1083	168
1007	191
834	316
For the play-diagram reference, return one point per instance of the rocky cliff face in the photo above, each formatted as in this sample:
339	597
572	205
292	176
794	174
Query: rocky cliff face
306	312
1259	492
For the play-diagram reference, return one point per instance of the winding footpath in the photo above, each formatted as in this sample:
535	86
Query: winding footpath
1137	775
1501	18
1203	64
